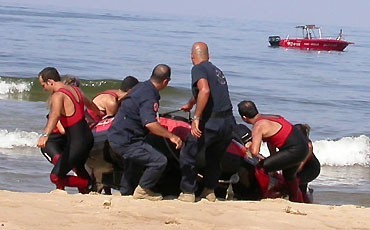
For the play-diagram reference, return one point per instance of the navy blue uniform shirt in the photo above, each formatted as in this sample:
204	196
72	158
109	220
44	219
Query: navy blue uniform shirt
137	110
219	100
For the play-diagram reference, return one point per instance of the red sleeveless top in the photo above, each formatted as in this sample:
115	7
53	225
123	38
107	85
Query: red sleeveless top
55	130
94	117
279	138
78	115
110	93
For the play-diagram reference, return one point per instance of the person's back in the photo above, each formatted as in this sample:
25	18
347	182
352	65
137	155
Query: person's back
128	118
219	100
211	125
276	129
108	101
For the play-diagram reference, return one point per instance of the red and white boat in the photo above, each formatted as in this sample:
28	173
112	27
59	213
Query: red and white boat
311	39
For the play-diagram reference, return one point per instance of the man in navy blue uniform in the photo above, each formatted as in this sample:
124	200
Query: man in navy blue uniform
136	117
211	126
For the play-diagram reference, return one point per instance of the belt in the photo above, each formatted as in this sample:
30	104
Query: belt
221	114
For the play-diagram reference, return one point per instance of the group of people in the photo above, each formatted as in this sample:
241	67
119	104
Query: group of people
135	107
67	138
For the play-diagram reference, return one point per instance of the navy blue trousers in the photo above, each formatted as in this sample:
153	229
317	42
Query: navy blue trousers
140	157
206	151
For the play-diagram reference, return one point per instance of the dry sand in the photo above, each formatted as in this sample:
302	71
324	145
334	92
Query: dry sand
59	210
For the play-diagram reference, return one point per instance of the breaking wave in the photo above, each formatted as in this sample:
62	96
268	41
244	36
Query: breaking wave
346	151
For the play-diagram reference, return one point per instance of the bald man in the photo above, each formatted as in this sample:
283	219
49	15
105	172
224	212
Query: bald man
135	119
211	126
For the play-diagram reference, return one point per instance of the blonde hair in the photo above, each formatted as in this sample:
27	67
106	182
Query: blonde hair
71	80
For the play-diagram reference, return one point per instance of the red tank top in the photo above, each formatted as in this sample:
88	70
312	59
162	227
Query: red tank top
95	117
110	92
55	130
279	138
78	115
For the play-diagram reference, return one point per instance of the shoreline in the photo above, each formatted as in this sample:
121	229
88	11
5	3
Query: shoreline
59	210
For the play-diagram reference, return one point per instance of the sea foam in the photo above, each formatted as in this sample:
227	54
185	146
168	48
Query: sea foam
12	139
9	87
346	151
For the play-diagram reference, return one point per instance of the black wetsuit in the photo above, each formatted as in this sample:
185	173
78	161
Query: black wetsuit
54	147
79	143
310	171
292	145
293	149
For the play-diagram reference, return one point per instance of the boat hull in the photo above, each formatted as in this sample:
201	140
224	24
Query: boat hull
315	44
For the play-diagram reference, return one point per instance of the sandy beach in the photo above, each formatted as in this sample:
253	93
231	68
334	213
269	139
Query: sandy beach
59	210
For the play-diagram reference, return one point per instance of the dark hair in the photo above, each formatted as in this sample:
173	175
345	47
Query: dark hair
160	73
128	83
304	128
49	73
247	109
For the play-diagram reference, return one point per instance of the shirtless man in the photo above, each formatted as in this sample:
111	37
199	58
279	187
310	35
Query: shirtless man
67	106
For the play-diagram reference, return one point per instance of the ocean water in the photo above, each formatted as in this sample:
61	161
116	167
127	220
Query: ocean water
327	90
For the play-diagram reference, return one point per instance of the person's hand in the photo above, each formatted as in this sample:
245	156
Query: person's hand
195	131
248	145
186	107
42	141
176	140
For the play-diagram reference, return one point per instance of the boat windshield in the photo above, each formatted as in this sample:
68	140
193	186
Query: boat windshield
310	31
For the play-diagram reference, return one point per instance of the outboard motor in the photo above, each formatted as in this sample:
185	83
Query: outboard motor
274	41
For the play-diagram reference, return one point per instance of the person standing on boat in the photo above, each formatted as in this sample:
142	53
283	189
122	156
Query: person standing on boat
211	127
108	101
67	106
310	168
135	119
280	134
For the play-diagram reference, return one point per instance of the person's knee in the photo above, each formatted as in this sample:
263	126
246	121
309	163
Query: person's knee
54	179
187	169
55	159
162	162
159	162
289	176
